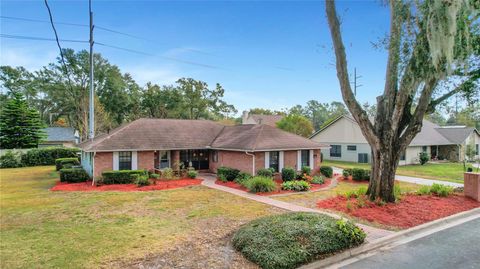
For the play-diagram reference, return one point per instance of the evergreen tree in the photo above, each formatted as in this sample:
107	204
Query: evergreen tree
20	125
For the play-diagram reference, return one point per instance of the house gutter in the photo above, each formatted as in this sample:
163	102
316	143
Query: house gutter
253	162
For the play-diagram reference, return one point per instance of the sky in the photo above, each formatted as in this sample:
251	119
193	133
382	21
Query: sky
269	54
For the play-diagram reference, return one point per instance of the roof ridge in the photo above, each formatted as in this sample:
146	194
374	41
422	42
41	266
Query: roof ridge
258	135
216	136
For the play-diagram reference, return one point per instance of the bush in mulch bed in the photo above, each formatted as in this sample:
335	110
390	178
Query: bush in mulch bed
289	240
278	189
160	185
411	210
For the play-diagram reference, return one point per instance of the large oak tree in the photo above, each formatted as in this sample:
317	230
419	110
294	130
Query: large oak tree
429	42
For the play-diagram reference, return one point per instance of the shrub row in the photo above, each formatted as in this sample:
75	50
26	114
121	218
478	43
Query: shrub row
437	189
227	173
296	185
73	175
265	172
66	163
35	157
357	174
259	184
326	171
122	176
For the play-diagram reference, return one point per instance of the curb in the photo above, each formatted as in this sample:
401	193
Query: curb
376	244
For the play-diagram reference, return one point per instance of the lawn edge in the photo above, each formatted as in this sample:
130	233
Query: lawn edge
432	226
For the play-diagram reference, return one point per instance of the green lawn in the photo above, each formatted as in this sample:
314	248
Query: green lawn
44	229
452	172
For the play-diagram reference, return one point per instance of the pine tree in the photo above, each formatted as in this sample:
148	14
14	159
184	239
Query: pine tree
20	126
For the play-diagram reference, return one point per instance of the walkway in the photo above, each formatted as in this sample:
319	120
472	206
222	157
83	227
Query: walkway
416	180
209	181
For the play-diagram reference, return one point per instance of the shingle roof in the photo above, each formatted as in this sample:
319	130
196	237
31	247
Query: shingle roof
266	119
156	134
456	135
429	136
60	134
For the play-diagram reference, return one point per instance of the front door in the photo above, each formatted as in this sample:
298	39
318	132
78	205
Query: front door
197	158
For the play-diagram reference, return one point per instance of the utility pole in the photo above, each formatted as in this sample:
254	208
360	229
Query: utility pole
355	77
91	127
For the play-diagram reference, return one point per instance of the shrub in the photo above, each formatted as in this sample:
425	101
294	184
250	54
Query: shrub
359	174
347	172
10	159
288	174
192	174
167	173
260	184
47	156
397	192
424	158
62	162
296	185
424	190
154	176
229	173
326	171
306	170
121	176
242	177
441	190
142	180
265	172
361	191
73	175
318	180
291	239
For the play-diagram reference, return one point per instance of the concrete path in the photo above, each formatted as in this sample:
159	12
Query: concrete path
455	247
416	180
209	181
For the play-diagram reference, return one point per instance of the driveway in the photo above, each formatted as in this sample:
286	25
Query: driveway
455	247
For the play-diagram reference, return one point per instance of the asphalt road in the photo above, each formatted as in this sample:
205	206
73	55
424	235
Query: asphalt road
457	247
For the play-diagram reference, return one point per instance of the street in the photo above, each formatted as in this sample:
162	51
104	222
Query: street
456	247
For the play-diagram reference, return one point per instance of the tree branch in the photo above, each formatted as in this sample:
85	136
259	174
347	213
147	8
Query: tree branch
342	73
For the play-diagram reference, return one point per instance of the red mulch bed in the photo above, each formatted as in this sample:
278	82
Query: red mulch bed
411	211
161	185
234	185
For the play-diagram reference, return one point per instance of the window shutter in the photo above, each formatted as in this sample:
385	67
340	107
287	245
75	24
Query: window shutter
134	160
267	159
280	161
115	160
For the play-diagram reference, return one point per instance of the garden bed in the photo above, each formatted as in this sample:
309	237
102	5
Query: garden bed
411	210
278	190
160	185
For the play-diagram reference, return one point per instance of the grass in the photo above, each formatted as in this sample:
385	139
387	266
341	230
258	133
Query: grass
452	172
44	229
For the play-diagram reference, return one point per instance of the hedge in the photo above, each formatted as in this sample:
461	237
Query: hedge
47	156
360	174
228	173
65	162
10	159
289	240
73	175
122	176
288	174
326	171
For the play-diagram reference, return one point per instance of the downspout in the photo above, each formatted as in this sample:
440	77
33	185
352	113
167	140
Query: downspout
253	162
93	168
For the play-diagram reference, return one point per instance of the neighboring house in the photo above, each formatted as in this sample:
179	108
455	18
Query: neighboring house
204	145
60	137
347	142
260	119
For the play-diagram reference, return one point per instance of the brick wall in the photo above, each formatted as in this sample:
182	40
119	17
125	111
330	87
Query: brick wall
103	162
317	161
145	160
290	159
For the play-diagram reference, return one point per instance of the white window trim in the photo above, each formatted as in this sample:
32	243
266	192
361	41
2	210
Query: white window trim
311	164
134	160
115	161
267	159
280	161
299	160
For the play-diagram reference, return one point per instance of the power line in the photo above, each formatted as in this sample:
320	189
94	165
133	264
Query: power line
40	38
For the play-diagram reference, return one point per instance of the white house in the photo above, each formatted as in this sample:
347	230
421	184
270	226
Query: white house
347	142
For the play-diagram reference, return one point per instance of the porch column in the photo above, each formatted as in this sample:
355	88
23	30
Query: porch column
175	155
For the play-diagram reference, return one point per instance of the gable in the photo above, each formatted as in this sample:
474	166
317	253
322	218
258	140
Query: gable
342	130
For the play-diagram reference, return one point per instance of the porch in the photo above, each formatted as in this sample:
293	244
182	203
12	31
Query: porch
199	159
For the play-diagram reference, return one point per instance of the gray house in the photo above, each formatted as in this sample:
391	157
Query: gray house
347	142
60	137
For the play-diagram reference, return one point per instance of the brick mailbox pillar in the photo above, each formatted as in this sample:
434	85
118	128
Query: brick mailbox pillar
471	183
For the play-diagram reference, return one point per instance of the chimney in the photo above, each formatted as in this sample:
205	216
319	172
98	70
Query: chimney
244	117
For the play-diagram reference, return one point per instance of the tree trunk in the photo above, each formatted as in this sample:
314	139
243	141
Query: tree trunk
382	178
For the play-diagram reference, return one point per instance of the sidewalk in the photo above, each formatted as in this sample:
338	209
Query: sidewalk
209	181
416	180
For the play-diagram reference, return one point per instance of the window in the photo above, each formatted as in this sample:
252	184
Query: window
215	156
363	157
335	151
402	156
476	149
352	147
424	148
305	155
274	160
125	160
164	159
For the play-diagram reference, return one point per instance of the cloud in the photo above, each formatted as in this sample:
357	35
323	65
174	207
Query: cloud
162	75
32	58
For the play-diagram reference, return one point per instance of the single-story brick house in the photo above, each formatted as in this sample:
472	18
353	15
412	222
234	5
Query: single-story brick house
202	144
